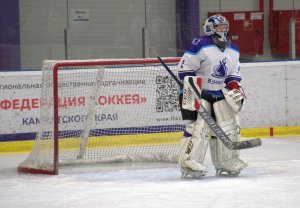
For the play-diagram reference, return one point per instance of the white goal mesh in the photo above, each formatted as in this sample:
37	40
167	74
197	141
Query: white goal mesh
106	111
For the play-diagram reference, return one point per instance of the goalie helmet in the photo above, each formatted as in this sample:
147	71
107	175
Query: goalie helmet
218	27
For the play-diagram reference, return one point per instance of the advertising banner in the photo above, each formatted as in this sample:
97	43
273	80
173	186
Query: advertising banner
149	98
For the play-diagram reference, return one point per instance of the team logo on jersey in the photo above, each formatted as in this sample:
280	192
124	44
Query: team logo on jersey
196	41
220	70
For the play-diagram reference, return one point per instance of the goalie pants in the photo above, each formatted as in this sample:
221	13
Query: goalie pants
205	95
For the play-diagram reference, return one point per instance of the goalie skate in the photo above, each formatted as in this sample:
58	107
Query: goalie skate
223	172
186	173
237	165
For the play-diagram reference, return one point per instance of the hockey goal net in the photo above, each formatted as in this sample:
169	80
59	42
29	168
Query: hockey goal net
106	111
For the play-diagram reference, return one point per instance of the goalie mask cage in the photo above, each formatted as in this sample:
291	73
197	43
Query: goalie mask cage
100	111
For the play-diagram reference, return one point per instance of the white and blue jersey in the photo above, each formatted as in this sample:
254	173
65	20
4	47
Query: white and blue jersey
216	68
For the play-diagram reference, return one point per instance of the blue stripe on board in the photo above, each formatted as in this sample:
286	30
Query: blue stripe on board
17	137
99	132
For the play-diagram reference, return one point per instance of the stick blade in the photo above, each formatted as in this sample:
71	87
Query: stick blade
245	144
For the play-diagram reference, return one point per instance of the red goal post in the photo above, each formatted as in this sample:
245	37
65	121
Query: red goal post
106	111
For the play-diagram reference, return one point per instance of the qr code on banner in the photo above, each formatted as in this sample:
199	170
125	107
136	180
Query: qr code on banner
167	92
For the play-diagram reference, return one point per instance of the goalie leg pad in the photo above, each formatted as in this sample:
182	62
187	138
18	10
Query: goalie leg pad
225	160
194	147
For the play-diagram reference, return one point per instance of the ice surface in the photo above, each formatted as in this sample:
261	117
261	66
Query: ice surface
272	179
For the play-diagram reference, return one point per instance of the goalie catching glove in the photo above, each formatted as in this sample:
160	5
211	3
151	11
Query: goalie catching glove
234	95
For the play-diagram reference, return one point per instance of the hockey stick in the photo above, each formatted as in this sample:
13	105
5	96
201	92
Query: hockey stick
210	121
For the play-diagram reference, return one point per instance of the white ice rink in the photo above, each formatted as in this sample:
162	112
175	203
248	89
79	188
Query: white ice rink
271	180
